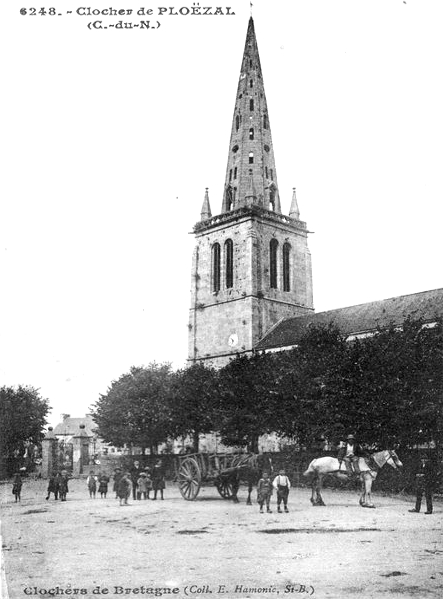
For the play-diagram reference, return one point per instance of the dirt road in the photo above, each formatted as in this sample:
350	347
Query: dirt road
214	549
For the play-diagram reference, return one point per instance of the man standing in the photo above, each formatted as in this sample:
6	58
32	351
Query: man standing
282	484
135	475
426	482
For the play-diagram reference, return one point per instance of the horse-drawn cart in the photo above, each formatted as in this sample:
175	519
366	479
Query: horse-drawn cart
222	469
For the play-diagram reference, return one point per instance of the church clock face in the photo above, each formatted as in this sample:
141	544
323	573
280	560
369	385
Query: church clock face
233	340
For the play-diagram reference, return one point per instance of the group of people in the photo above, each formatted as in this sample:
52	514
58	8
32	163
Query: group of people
58	485
141	481
265	489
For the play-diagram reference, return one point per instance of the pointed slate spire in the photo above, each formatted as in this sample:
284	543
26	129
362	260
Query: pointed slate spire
294	212
251	141
206	207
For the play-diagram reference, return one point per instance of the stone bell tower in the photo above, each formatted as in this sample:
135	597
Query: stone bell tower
251	264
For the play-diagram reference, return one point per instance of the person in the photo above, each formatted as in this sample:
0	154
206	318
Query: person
264	492
17	486
282	484
135	475
349	453
53	486
158	479
63	485
426	481
124	488
142	486
103	480
91	481
117	476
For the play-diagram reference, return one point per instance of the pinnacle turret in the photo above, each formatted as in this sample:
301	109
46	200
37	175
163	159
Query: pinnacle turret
294	212
206	207
250	149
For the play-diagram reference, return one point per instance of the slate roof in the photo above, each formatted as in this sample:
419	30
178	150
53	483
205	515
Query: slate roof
71	426
358	320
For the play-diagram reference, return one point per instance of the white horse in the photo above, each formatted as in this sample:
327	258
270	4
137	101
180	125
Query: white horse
320	467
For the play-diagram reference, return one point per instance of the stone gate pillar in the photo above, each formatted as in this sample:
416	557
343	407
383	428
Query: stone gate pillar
80	457
49	453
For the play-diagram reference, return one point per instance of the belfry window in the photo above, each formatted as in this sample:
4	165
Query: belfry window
272	174
215	283
251	83
272	199
273	249
251	157
251	104
286	267
235	173
230	175
229	263
266	171
265	121
251	133
237	122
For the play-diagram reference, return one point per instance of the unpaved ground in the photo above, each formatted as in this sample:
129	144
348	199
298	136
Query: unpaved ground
340	551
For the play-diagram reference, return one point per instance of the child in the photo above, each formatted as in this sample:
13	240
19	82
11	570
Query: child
124	488
158	479
264	492
282	484
142	486
17	486
53	486
103	480
91	481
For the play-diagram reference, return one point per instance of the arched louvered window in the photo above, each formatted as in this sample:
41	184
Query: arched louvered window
251	104
237	122
265	121
273	249
286	267
215	268
229	264
251	157
251	133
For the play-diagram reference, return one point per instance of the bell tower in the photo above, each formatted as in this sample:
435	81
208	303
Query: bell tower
251	264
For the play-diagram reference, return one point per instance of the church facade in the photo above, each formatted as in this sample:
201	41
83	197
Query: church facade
251	282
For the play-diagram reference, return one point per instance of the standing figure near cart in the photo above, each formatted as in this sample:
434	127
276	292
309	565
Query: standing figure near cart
264	492
158	479
282	484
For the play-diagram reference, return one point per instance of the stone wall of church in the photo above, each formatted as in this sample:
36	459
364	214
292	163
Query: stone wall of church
232	320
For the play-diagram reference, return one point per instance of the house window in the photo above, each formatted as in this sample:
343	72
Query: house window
251	133
273	248
251	157
229	263
216	268
286	267
251	104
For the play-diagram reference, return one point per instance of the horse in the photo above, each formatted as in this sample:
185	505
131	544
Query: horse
246	468
320	467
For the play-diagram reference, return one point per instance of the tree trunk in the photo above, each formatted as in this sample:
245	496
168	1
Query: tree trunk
195	441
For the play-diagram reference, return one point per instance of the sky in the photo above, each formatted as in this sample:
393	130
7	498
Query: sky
110	137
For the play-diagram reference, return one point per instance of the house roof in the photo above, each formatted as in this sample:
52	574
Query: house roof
360	319
71	426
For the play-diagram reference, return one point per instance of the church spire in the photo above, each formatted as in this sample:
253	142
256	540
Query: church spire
206	207
251	154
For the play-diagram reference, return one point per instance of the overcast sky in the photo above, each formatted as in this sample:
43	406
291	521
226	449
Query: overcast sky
109	138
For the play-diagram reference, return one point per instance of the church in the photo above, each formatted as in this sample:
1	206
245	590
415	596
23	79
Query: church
251	279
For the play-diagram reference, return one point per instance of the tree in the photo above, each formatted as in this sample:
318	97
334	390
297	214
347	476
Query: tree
247	400
135	410
22	419
192	402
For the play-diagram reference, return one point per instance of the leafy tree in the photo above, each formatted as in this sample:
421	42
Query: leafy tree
135	410
22	419
247	400
193	401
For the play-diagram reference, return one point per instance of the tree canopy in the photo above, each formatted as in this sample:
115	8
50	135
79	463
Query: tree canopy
22	419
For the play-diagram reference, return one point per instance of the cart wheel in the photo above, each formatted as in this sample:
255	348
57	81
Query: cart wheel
225	488
189	479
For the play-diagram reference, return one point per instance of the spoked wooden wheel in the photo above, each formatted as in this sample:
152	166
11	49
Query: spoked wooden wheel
189	479
225	488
